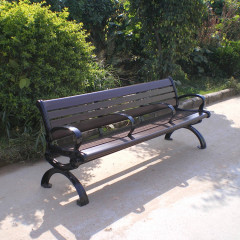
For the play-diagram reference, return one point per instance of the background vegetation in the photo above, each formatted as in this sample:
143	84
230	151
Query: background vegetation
59	48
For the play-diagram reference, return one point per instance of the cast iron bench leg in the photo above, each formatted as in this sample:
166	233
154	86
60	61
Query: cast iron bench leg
168	136
201	139
83	198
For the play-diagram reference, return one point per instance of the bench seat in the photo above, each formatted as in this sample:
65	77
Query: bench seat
110	144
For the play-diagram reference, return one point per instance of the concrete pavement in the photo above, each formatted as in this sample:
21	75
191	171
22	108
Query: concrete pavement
160	189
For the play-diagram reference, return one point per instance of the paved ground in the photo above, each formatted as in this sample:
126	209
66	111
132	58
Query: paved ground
156	190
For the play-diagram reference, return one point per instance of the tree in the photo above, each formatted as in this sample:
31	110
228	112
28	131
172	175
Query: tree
95	16
168	31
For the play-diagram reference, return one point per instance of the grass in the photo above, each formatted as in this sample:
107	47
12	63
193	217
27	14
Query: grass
203	85
19	149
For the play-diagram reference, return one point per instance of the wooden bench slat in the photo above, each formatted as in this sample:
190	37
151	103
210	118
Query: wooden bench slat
160	122
106	120
168	98
104	95
143	134
107	103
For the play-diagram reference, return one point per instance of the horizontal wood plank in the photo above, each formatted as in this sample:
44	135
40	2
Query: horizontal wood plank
104	95
108	103
168	98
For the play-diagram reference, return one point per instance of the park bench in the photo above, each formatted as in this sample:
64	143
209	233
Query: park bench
92	125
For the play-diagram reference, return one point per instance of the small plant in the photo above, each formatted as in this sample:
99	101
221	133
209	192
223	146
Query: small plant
228	58
5	124
20	148
234	83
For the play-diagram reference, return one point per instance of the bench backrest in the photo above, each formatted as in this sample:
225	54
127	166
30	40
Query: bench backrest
89	111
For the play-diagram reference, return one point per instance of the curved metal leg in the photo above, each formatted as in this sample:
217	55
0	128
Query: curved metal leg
83	198
201	139
168	136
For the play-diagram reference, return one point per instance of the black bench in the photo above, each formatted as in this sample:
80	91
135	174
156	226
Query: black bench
89	126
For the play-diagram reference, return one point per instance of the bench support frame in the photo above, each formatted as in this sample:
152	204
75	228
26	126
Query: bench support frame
74	115
200	137
83	198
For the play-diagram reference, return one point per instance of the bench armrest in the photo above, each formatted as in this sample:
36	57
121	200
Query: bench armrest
77	133
169	106
195	95
201	107
129	118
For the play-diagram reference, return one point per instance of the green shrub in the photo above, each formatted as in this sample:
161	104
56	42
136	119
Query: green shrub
228	58
42	55
234	83
179	75
21	148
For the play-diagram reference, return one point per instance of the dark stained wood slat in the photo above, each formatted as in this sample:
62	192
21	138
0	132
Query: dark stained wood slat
77	118
161	123
106	120
107	103
146	133
104	95
123	134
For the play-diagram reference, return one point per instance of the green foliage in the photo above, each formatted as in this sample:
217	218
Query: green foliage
219	7
5	124
199	63
179	75
42	55
220	27
217	54
168	31
229	24
202	85
228	58
20	148
95	16
124	49
234	83
227	53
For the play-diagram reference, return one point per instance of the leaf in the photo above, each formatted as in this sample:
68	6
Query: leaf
12	63
200	70
24	82
119	32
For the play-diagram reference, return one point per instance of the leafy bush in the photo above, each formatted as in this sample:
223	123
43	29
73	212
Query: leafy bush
179	75
21	148
95	15
42	55
234	83
168	31
228	58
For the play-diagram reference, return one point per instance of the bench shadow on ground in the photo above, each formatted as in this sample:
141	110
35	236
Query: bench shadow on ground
168	165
